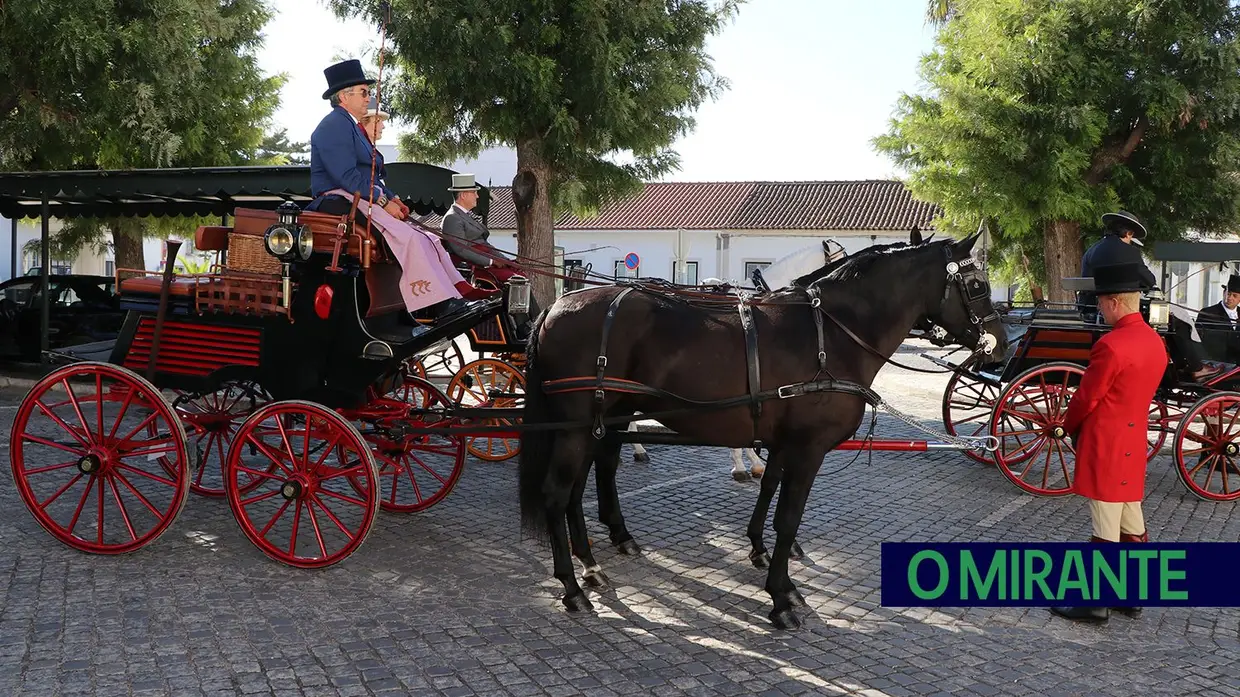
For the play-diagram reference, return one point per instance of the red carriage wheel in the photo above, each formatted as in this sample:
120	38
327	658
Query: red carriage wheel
415	367
1207	447
211	421
1034	451
318	489
99	458
477	385
967	405
416	471
443	363
1159	418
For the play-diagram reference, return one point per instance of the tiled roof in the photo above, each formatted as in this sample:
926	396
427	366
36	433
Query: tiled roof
840	205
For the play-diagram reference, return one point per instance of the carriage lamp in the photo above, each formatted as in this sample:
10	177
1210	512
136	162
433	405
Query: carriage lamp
1160	309
279	241
518	295
289	240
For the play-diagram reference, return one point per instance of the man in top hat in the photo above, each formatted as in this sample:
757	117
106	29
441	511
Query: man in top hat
1218	325
341	150
1108	416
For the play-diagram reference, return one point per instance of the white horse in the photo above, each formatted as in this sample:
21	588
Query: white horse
779	274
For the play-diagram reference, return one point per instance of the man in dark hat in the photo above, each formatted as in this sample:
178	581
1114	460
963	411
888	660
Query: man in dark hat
340	149
1108	416
1218	325
1120	244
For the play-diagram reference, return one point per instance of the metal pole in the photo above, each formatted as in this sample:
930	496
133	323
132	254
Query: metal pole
45	309
13	251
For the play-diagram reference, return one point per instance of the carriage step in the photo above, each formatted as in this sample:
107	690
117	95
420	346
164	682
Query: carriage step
377	351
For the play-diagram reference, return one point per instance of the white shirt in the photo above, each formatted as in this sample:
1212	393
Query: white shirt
1233	314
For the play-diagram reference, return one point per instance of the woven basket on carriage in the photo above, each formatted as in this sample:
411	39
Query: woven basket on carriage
235	293
247	253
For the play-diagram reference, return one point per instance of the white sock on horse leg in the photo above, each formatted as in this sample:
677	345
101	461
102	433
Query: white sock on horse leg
738	465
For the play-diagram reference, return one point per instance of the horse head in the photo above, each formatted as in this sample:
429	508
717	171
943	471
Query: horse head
965	312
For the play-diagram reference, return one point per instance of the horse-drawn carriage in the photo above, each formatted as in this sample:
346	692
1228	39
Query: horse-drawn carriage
1022	402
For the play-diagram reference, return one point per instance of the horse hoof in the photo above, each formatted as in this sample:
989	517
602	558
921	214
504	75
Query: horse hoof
577	603
740	476
795	599
641	457
757	474
785	619
797	553
760	560
594	579
629	548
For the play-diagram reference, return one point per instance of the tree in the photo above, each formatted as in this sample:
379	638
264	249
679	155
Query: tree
1044	114
590	94
939	12
128	85
277	150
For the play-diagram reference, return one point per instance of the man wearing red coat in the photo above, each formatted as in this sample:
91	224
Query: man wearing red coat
1109	415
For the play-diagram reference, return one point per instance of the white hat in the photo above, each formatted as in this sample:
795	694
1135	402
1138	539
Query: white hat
372	109
463	182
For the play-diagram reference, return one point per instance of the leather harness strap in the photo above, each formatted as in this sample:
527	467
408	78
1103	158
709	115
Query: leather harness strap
600	393
751	357
815	302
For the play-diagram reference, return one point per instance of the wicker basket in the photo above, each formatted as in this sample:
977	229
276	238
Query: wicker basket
247	253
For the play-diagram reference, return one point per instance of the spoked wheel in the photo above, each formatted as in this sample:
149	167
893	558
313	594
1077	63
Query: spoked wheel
967	405
1034	451
318	486
489	383
211	420
416	471
1157	436
1207	447
444	363
100	464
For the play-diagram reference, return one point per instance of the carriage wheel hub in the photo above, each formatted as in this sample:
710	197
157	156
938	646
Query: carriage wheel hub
292	489
89	464
1058	433
1231	449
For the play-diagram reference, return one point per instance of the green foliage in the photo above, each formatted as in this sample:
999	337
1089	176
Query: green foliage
135	84
599	90
1043	110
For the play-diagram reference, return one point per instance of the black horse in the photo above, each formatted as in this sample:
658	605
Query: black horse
865	308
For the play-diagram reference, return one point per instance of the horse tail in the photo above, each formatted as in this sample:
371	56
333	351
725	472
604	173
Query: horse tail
535	456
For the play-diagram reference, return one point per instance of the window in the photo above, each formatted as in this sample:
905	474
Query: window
622	272
109	268
19	293
573	268
691	273
751	265
1179	271
34	266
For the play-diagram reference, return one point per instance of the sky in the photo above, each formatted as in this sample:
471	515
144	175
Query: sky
812	81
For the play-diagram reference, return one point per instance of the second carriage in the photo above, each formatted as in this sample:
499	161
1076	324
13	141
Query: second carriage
1023	401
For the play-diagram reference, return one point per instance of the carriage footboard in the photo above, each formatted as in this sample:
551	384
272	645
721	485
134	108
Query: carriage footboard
94	351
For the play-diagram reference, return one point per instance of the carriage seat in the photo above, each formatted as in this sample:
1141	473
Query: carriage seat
1057	315
141	294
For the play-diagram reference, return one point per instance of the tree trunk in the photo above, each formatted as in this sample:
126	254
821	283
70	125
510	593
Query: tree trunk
127	243
535	236
1062	250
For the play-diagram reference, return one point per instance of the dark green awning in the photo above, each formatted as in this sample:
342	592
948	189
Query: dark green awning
201	191
1203	252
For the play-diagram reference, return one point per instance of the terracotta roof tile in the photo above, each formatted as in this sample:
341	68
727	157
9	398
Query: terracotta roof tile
838	205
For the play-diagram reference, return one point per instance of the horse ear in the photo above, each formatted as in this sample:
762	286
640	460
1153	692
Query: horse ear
929	238
965	247
914	237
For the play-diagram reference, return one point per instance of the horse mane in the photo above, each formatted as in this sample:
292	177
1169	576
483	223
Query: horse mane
859	265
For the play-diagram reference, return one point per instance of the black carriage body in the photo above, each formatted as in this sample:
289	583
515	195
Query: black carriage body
293	356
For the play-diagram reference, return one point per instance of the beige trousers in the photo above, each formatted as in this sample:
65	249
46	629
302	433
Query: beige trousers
1111	519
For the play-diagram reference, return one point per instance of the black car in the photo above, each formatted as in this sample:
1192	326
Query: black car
83	309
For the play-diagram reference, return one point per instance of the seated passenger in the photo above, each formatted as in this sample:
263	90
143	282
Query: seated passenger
1218	325
341	155
466	236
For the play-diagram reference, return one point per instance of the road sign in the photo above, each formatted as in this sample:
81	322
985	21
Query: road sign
631	261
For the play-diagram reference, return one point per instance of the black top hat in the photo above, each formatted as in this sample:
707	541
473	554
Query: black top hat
1233	284
344	74
1121	221
1119	278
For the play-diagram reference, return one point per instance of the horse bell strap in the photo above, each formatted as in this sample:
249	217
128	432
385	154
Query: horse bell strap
600	393
815	302
751	356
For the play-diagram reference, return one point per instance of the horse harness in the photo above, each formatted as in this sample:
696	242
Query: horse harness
600	384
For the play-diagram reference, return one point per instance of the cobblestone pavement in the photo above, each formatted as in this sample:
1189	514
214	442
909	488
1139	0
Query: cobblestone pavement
452	601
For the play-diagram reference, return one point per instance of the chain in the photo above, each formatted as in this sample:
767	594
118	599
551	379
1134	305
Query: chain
986	443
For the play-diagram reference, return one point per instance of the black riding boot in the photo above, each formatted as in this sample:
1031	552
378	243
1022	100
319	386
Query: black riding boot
1133	612
1085	614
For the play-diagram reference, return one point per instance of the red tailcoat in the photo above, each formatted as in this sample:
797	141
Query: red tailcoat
1109	415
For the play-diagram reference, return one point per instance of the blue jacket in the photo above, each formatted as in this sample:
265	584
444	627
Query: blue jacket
340	159
1108	251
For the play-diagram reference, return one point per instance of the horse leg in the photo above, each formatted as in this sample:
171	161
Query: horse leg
738	467
639	451
757	522
800	466
593	575
756	465
606	462
568	466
